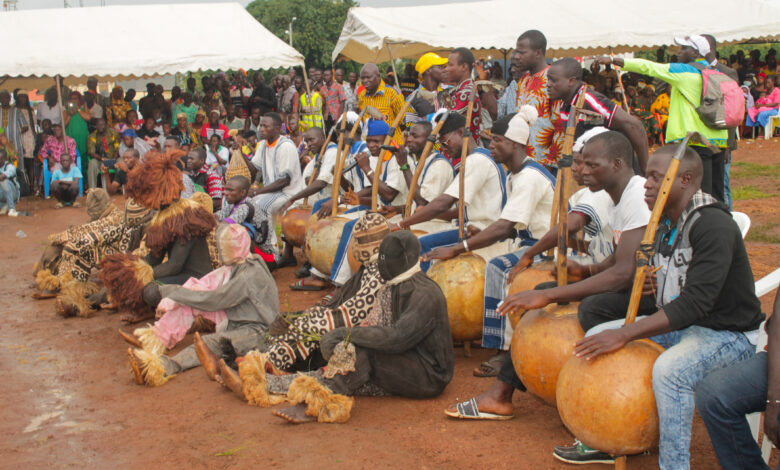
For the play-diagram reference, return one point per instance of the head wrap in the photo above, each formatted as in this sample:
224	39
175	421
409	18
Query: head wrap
584	138
201	113
128	132
181	116
233	243
377	127
399	253
453	122
98	203
696	41
368	232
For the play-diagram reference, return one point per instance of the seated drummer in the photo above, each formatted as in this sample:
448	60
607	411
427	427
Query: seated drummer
607	159
484	190
589	213
709	314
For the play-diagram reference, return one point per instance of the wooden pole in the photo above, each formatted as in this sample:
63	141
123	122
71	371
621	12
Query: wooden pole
462	174
58	81
385	154
397	84
321	156
340	164
420	164
620	82
645	252
561	183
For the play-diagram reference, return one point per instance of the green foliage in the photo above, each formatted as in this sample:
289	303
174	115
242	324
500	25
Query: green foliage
316	29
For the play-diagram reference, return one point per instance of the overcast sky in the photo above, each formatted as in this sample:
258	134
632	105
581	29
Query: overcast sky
32	4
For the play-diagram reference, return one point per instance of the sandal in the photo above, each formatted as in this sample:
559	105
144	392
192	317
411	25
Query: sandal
468	410
490	367
301	286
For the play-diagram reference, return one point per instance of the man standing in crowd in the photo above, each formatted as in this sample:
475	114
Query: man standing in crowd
334	99
49	108
686	86
146	104
350	89
102	144
429	67
187	107
546	140
459	68
12	120
263	95
384	98
92	84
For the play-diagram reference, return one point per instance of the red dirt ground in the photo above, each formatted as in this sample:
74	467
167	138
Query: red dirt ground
69	400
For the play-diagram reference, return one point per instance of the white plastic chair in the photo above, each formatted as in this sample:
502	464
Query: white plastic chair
769	129
764	286
743	222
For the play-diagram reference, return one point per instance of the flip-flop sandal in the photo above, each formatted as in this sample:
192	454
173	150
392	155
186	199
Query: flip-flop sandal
468	410
300	286
490	367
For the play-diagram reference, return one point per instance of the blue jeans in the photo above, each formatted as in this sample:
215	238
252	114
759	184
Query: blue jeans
723	399
9	194
691	354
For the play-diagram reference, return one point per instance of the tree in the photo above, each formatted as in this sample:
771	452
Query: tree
316	29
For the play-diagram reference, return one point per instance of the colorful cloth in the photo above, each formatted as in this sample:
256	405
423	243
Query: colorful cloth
311	110
773	97
12	120
54	148
117	111
546	140
457	99
105	145
210	181
660	108
388	102
334	100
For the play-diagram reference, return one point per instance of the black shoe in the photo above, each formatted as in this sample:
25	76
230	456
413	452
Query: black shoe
580	454
286	262
303	271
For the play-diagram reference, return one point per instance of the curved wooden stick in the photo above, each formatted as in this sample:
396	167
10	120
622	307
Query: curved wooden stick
462	173
562	183
421	164
321	156
342	155
645	252
381	158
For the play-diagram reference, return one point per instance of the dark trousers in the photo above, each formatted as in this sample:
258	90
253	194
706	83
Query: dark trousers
723	398
601	308
508	375
712	177
65	194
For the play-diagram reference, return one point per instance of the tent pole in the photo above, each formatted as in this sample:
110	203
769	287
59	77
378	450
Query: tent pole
392	63
58	81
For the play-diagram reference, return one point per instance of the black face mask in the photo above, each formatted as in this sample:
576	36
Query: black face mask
398	252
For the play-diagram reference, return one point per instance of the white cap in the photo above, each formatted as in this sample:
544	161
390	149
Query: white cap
697	42
520	125
584	138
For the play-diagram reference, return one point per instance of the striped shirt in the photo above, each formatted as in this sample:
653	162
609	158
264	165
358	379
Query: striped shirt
388	102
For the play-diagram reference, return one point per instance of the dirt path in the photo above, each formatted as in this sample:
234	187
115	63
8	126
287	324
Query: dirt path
69	401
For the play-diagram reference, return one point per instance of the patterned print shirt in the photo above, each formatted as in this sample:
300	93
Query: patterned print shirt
546	139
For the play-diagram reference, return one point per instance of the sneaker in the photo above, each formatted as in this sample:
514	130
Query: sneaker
76	204
580	454
59	205
12	213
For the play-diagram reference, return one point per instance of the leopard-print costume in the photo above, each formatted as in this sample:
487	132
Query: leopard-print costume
88	243
302	335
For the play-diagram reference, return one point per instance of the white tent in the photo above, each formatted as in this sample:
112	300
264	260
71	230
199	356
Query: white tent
572	28
137	41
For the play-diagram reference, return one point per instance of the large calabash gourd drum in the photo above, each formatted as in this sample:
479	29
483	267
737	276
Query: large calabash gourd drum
542	342
462	280
608	402
294	225
322	241
531	277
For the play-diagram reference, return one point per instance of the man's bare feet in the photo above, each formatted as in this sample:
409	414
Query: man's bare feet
135	367
131	339
230	379
206	356
294	414
496	400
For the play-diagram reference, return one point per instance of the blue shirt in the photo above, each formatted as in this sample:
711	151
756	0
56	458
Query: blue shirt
72	174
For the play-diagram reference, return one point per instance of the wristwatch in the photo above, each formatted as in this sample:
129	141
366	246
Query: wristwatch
404	167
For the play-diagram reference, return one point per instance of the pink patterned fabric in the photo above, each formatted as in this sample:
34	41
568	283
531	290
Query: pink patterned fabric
773	97
178	319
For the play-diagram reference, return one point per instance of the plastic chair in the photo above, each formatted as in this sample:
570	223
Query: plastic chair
743	222
764	286
769	129
47	177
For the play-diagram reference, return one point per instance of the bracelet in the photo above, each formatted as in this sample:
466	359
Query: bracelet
405	167
771	402
465	245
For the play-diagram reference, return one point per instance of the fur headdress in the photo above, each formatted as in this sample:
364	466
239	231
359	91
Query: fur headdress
125	276
183	220
158	181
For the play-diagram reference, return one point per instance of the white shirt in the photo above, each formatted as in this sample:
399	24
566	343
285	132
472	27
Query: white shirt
43	111
436	177
325	174
211	159
392	176
279	161
598	233
529	201
482	190
631	211
355	176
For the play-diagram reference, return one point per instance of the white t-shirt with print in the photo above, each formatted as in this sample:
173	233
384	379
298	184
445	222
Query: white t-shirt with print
596	206
631	211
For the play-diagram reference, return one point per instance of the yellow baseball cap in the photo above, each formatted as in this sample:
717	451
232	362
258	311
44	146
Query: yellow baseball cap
427	61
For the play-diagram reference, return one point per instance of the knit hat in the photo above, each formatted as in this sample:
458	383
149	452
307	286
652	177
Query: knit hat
398	253
368	232
516	127
584	138
377	127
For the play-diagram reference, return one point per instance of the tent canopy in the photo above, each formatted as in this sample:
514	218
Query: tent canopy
572	28
116	41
